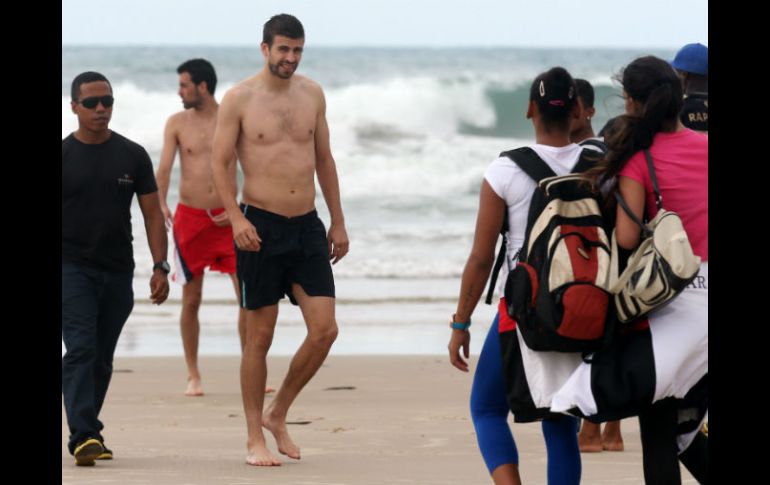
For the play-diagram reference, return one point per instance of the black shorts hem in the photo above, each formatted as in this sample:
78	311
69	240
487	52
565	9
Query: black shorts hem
269	302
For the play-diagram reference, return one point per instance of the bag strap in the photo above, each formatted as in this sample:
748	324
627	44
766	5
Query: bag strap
530	163
496	268
654	178
587	160
658	198
595	143
536	169
624	205
539	171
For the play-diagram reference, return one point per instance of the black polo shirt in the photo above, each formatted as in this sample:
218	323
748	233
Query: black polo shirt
98	183
695	112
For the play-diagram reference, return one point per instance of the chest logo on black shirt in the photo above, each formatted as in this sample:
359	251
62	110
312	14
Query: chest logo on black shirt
125	180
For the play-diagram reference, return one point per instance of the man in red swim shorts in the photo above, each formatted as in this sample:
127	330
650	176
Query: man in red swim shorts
202	233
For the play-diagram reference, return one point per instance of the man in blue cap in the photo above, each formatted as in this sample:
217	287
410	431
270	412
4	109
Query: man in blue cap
692	65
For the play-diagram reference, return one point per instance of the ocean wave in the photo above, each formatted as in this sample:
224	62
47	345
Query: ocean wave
391	115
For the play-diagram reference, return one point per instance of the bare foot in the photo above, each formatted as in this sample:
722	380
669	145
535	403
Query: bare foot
278	428
612	443
611	438
269	389
259	455
193	387
589	438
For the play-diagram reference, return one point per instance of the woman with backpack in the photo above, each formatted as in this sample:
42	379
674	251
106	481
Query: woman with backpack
506	192
658	366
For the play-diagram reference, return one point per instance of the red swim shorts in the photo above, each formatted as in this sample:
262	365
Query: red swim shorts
200	243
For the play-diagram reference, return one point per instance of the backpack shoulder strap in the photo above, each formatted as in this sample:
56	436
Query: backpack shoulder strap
536	169
654	179
500	255
588	159
534	166
498	262
595	143
530	163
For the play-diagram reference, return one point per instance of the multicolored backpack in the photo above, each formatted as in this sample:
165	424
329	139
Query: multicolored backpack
557	292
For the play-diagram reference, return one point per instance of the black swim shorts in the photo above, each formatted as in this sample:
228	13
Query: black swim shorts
293	250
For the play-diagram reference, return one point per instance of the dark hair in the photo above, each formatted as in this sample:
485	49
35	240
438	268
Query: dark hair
606	127
653	83
282	24
554	93
696	83
85	78
200	70
585	91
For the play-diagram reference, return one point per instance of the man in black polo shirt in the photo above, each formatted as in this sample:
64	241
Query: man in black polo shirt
692	66
101	171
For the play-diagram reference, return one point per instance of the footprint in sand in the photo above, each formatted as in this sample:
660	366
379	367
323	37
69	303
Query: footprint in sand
340	388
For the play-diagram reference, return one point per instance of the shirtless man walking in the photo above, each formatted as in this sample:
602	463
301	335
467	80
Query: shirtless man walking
276	122
202	234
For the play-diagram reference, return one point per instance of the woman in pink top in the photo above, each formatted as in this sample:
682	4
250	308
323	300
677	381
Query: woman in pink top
658	366
680	157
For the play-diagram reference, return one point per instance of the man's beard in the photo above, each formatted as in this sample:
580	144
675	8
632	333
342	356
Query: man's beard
275	71
191	104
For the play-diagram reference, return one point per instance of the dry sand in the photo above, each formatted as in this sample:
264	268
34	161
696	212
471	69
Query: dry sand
405	421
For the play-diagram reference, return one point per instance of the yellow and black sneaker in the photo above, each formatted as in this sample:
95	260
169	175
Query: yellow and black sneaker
106	453
87	451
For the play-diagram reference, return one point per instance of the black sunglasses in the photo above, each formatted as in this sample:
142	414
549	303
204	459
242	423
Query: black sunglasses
91	102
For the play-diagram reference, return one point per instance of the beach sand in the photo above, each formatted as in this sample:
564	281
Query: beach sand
394	420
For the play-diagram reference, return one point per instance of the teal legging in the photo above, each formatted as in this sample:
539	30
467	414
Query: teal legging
489	410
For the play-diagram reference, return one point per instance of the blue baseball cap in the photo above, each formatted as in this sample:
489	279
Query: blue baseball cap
692	58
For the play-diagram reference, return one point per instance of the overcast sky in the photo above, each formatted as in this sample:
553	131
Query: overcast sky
515	23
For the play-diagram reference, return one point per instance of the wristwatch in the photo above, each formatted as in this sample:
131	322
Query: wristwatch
163	266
